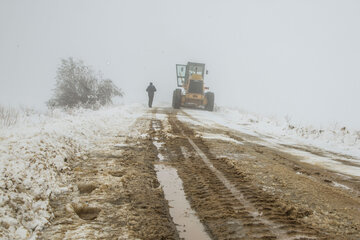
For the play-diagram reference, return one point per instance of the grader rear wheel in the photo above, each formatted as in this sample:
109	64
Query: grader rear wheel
210	97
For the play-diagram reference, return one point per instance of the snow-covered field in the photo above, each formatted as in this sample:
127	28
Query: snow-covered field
34	157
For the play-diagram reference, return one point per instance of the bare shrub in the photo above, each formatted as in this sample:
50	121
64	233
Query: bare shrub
79	85
8	116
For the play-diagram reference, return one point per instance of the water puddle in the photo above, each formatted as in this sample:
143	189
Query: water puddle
187	223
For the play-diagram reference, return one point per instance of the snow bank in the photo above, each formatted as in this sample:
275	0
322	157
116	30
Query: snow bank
333	138
34	156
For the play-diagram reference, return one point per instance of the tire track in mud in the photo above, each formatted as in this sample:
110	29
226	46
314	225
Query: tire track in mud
306	192
116	194
294	161
255	215
184	217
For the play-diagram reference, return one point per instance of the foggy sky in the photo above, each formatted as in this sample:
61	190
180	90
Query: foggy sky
296	58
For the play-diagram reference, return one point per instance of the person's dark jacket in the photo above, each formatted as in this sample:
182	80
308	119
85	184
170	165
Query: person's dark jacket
151	89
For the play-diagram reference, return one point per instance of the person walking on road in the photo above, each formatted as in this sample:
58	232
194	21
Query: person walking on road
151	90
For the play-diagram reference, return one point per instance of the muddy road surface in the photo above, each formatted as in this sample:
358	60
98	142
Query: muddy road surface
182	180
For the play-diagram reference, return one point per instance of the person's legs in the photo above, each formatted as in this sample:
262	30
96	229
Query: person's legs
151	98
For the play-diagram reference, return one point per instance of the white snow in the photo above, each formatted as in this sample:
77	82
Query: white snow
34	157
120	145
324	162
336	184
275	133
220	137
158	145
161	116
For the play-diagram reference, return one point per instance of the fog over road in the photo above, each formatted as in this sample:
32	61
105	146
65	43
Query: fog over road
297	58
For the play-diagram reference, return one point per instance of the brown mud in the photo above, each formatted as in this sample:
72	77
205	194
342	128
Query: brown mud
238	191
117	195
305	193
224	215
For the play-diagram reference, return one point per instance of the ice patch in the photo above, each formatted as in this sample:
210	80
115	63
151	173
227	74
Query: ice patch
336	184
183	118
121	145
219	137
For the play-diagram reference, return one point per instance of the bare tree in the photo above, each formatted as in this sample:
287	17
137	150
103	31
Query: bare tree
78	85
106	91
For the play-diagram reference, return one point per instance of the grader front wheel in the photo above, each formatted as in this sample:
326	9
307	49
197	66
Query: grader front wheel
176	102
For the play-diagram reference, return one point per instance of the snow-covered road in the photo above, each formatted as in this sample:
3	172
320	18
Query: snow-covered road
41	156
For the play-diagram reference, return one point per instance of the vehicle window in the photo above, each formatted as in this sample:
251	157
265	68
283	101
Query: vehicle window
194	69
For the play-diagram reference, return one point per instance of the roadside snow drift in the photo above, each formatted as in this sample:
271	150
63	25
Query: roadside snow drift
34	156
337	144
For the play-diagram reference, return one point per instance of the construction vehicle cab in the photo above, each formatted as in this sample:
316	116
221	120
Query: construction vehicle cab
190	79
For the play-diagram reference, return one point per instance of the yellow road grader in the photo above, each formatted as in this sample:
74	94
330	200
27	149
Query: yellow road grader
192	91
